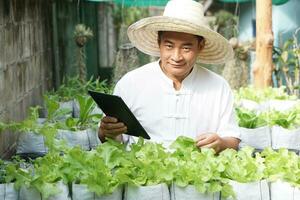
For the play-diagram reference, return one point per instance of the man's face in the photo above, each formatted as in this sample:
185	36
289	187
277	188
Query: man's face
178	53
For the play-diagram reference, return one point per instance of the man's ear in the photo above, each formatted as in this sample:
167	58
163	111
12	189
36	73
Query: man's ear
201	44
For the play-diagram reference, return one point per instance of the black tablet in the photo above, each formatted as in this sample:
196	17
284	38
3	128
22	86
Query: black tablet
114	106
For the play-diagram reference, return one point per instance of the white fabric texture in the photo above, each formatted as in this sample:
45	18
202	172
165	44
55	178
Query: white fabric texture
203	104
258	190
283	190
157	192
189	192
258	138
285	138
8	192
81	192
33	194
86	139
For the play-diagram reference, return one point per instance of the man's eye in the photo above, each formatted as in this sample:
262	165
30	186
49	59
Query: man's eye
186	48
168	46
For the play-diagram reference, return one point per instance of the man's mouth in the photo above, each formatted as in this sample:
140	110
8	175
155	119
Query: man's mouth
177	65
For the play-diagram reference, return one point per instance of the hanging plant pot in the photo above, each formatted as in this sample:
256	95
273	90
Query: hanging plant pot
189	192
258	138
258	190
285	138
86	139
282	190
157	192
81	192
8	192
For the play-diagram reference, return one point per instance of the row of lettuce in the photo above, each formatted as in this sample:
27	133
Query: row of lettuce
105	170
268	118
66	127
68	114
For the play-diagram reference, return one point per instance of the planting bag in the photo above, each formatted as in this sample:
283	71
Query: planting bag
157	192
282	105
31	142
8	192
190	193
258	190
81	192
283	190
258	138
29	194
86	139
33	194
248	104
285	138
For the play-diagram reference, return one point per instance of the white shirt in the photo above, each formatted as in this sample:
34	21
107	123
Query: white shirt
203	104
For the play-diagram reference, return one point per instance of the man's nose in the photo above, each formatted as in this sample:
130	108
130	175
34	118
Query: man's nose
176	55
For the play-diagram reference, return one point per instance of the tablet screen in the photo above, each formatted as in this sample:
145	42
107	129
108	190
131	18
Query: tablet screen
114	106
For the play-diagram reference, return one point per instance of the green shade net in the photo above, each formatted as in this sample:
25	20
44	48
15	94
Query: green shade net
138	3
142	3
275	2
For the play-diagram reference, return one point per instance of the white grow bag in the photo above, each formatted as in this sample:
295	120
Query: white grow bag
285	138
284	191
81	192
249	104
190	193
86	139
258	190
153	192
258	138
8	192
281	105
33	194
31	142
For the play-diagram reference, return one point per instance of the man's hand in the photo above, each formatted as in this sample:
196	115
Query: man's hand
110	127
213	140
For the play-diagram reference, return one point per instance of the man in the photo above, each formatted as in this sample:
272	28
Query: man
173	97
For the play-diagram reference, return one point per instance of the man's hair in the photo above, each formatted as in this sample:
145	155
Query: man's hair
201	40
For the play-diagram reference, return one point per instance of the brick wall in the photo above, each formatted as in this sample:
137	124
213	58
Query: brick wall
25	60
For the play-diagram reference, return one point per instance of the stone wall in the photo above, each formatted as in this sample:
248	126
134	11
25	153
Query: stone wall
25	61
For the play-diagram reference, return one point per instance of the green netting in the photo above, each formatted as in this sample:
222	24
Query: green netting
235	1
275	2
100	0
142	3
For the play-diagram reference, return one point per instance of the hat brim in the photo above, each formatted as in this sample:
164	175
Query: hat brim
143	35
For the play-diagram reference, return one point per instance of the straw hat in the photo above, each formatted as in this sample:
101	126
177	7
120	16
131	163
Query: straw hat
185	16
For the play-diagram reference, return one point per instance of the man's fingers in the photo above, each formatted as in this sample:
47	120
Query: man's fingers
202	136
205	141
211	145
110	126
108	119
115	132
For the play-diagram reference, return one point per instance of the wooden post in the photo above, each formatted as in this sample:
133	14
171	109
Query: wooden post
263	65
